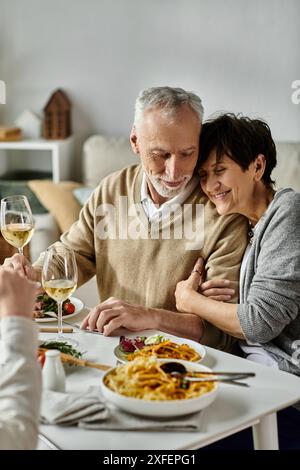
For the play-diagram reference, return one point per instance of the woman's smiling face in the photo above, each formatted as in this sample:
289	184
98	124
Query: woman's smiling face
226	184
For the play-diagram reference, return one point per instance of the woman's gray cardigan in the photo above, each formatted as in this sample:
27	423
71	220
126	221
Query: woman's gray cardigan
269	309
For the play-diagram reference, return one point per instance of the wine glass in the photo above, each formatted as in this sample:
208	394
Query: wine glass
17	223
59	279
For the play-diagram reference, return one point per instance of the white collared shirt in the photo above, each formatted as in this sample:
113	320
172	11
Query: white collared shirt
155	212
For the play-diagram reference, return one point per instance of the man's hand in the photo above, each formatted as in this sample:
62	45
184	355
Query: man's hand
21	264
214	289
17	294
217	289
114	314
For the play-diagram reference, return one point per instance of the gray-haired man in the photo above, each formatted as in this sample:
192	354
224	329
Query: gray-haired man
137	267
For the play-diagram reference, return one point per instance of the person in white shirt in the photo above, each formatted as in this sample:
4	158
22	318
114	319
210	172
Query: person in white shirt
20	372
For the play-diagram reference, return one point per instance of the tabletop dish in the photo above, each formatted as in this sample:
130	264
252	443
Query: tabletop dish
78	304
197	350
165	396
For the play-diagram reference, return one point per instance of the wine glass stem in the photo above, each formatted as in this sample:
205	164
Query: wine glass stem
60	332
20	251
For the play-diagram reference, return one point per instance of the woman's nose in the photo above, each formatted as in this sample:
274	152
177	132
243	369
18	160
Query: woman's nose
212	183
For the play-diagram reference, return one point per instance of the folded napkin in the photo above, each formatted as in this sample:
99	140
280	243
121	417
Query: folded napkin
71	408
90	411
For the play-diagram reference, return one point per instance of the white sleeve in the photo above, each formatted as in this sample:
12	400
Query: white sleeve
20	383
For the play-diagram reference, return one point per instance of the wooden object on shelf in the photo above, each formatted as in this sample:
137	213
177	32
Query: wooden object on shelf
57	116
8	134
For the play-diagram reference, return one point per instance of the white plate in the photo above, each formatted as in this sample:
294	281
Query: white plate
162	408
122	357
78	307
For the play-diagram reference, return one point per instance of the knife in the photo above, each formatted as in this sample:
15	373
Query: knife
93	332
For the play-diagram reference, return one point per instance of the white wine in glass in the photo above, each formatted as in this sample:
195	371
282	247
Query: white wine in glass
17	224
59	279
59	289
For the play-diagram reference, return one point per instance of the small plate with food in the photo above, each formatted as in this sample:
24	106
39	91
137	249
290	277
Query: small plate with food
45	304
67	350
160	346
142	387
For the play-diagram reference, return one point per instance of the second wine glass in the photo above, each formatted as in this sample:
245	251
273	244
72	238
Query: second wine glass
16	221
59	279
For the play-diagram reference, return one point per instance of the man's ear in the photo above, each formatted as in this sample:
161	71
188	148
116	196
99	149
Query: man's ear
134	140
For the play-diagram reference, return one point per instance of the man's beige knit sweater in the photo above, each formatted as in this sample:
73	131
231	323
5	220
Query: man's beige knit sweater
145	271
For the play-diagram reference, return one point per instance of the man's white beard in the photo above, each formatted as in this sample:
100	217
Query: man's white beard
162	190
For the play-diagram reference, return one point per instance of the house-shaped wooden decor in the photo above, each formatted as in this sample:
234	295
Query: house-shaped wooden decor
57	116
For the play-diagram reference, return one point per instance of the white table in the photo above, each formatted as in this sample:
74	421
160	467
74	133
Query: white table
235	408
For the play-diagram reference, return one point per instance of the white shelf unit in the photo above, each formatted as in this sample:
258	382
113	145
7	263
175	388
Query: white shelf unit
61	153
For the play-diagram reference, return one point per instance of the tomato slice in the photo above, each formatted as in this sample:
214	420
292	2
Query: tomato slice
41	359
69	308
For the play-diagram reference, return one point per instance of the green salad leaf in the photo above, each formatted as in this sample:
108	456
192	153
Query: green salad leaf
63	347
49	305
155	339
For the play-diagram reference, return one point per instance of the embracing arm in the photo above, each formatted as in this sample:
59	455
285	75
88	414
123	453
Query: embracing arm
222	315
228	241
272	299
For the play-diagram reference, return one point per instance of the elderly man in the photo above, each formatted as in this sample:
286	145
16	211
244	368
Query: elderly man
130	236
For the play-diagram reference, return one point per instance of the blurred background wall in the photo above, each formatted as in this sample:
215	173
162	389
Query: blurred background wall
237	55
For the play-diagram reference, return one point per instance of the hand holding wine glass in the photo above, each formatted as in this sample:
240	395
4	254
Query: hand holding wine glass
17	294
22	265
59	277
16	221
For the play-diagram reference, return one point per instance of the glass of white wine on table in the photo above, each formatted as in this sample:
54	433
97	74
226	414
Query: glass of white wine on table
17	223
59	280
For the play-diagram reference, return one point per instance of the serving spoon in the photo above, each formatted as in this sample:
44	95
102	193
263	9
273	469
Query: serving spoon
176	369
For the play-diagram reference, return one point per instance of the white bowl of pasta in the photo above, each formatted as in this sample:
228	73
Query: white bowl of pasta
142	388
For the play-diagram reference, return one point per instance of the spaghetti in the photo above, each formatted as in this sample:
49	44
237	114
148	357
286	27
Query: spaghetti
167	349
144	379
